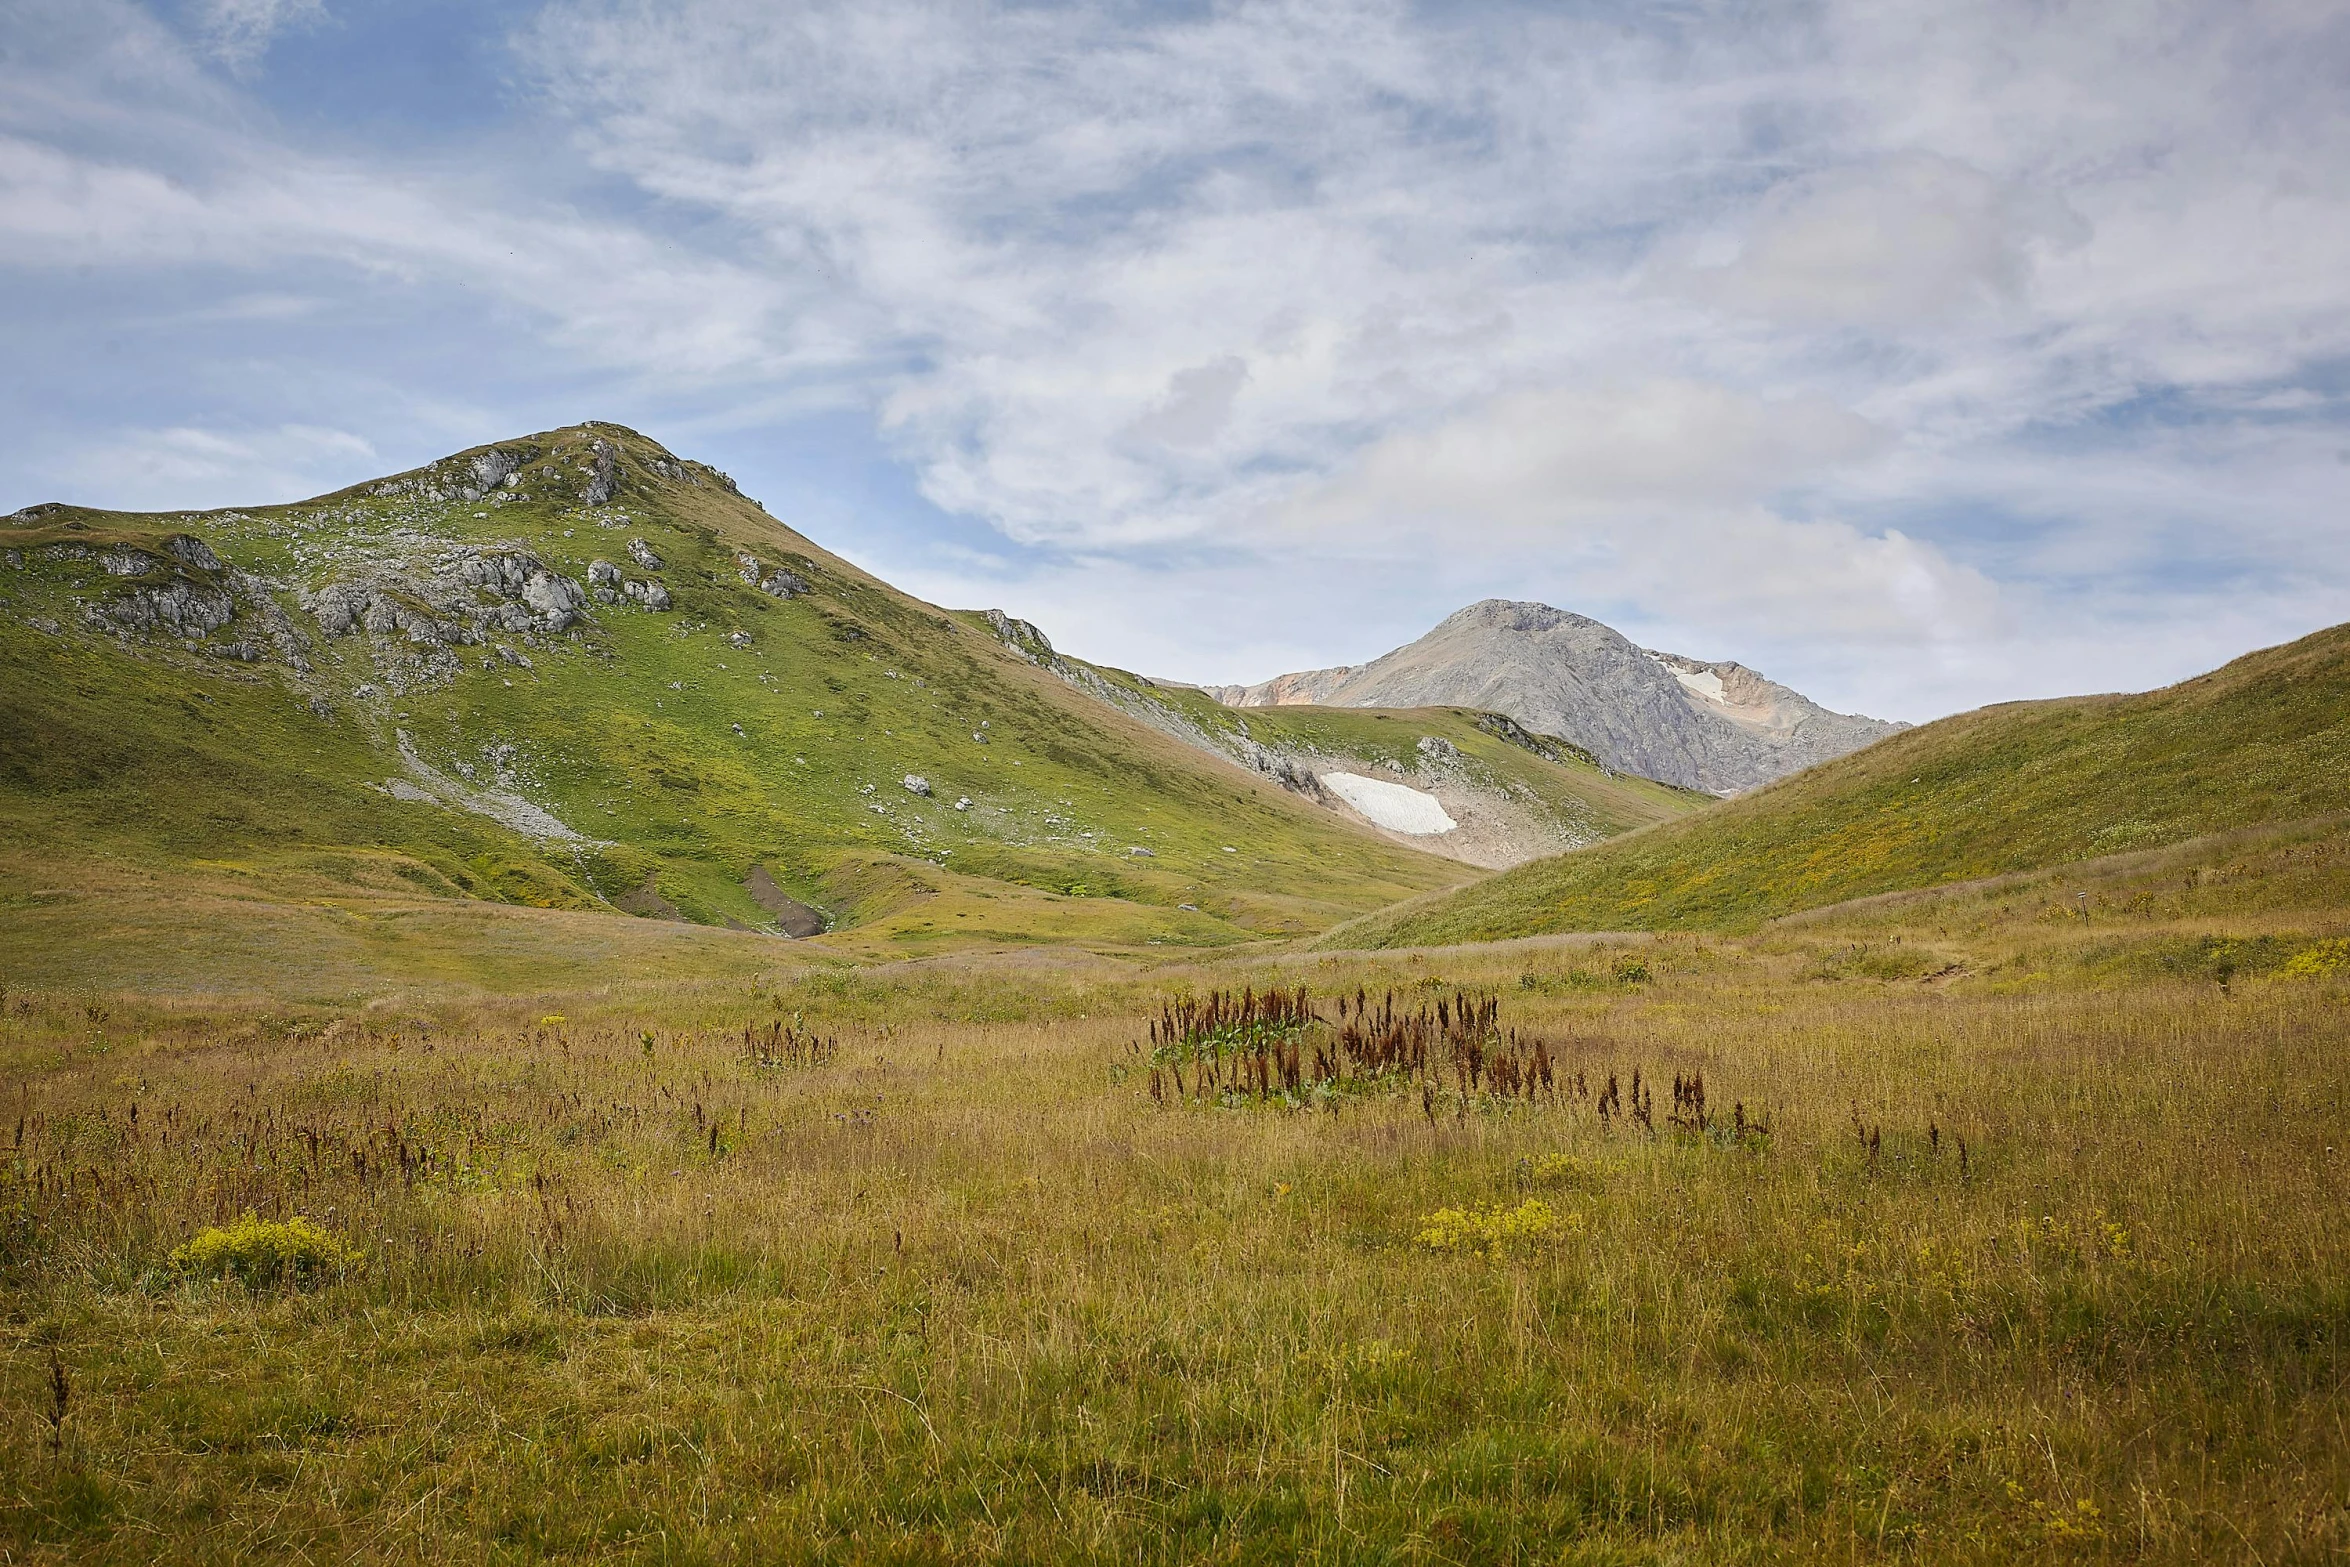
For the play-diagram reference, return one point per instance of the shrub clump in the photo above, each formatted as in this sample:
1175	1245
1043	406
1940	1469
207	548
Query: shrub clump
2319	962
259	1251
1492	1231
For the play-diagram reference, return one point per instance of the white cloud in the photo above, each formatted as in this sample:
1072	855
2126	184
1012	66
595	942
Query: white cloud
1968	335
1532	458
185	467
239	32
1901	242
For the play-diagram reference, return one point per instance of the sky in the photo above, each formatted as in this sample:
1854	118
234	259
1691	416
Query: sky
1917	355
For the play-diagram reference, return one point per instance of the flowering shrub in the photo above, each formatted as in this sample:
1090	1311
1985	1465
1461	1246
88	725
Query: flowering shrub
262	1251
1491	1231
2327	957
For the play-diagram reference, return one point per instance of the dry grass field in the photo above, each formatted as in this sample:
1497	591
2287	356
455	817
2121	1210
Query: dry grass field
2008	1228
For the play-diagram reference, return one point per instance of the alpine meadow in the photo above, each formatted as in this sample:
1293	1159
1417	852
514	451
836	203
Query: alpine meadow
507	1063
1362	783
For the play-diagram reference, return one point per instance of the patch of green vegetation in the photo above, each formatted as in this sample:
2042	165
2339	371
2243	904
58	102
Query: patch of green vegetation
906	1262
258	1252
2005	789
739	729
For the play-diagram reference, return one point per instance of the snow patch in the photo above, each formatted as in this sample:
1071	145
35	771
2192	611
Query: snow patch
1704	682
1391	805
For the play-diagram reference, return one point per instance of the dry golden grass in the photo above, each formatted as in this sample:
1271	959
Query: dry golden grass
960	1290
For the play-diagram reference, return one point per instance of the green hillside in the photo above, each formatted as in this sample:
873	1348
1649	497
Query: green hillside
2007	788
1583	796
575	672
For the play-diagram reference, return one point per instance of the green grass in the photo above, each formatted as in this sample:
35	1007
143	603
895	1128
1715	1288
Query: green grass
2009	788
139	753
964	1291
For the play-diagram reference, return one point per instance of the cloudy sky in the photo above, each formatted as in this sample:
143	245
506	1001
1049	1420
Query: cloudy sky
1919	355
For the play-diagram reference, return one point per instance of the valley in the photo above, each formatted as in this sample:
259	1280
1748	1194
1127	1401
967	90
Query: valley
548	1016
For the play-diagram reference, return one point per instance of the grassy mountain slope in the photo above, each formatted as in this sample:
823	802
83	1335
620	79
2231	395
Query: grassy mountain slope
197	713
1517	793
2008	788
1589	798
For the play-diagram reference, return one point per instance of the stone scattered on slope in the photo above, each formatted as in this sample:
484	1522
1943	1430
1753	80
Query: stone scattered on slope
1713	726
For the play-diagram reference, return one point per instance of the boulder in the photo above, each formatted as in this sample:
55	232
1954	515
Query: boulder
642	553
493	468
558	600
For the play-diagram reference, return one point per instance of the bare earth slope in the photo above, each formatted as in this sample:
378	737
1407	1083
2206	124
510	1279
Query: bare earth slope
1719	727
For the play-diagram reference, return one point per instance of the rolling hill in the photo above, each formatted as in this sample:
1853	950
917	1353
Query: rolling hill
2015	787
575	672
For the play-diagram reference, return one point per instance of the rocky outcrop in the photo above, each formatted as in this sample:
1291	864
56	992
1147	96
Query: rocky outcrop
607	586
472	595
1021	637
778	583
495	472
603	480
178	606
1714	726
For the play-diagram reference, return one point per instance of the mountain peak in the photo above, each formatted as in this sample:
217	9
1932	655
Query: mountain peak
1717	726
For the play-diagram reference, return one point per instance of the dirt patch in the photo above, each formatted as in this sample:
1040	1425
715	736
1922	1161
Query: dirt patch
647	903
792	917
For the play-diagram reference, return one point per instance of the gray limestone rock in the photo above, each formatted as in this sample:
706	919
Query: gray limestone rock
184	608
603	474
558	600
642	553
189	550
492	469
1021	637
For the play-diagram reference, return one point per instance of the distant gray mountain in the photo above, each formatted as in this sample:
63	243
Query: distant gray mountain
1719	727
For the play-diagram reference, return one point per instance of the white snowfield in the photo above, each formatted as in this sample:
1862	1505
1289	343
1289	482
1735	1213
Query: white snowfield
1704	682
1391	805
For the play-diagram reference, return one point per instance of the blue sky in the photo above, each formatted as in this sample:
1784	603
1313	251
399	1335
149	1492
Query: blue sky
1918	355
